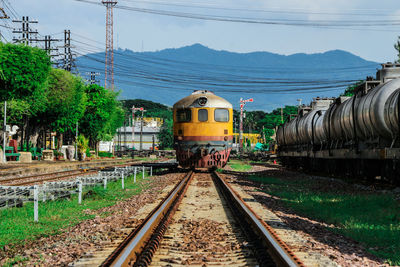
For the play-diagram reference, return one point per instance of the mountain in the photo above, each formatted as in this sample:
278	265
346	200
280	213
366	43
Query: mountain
273	80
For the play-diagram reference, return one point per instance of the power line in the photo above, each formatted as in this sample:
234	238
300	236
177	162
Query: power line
269	21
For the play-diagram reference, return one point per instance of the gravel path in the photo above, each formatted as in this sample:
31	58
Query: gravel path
67	247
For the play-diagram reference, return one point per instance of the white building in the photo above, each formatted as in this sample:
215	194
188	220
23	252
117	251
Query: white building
123	138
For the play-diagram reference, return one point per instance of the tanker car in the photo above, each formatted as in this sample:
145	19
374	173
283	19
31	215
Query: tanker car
203	130
354	136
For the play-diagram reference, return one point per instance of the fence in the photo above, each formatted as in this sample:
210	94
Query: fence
15	196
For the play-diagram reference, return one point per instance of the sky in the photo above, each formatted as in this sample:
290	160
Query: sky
140	31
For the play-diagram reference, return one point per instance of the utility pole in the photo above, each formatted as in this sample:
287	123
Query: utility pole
133	124
68	60
141	131
242	104
25	31
109	68
3	15
48	46
282	115
92	79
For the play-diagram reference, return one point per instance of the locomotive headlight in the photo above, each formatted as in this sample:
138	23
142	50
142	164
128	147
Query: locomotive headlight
202	101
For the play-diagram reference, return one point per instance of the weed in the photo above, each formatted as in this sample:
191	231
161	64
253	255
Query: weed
372	219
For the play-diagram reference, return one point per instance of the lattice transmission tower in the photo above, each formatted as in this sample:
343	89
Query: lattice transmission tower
109	69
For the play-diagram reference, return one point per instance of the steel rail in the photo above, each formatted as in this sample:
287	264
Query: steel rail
63	177
129	250
71	173
280	252
37	176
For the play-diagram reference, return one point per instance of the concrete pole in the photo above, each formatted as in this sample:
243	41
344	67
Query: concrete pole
4	132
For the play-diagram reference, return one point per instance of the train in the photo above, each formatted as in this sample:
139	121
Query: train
203	130
356	136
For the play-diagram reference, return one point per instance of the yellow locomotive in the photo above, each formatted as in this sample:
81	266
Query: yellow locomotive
203	130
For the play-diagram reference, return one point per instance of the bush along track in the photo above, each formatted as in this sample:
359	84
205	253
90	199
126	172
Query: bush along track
63	221
366	216
238	165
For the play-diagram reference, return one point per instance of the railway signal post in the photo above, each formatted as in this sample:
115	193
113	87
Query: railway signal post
242	104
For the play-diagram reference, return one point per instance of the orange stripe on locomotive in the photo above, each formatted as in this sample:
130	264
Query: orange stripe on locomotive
203	130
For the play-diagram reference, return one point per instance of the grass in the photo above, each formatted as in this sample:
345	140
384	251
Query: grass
144	159
17	226
238	165
369	218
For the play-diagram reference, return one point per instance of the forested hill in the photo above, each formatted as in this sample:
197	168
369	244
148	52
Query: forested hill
273	80
153	109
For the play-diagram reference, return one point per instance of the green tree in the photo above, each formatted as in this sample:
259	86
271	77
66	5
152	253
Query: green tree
24	72
275	118
165	136
351	88
23	83
66	101
397	47
103	114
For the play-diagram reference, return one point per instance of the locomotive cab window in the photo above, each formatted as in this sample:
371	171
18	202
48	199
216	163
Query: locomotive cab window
184	115
221	115
203	115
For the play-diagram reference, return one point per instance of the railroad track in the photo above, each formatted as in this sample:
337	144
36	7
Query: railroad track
202	221
54	176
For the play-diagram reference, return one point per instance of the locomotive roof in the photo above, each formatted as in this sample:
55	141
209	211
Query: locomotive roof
213	101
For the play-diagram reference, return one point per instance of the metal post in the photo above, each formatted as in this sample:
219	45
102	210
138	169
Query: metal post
4	132
105	182
36	203
123	181
154	137
134	177
151	170
143	173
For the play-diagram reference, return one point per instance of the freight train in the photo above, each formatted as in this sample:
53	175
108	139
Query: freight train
203	130
356	136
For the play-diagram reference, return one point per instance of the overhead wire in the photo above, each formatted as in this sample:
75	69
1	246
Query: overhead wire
252	20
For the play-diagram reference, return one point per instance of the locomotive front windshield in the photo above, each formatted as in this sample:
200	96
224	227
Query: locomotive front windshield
184	115
221	115
203	115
